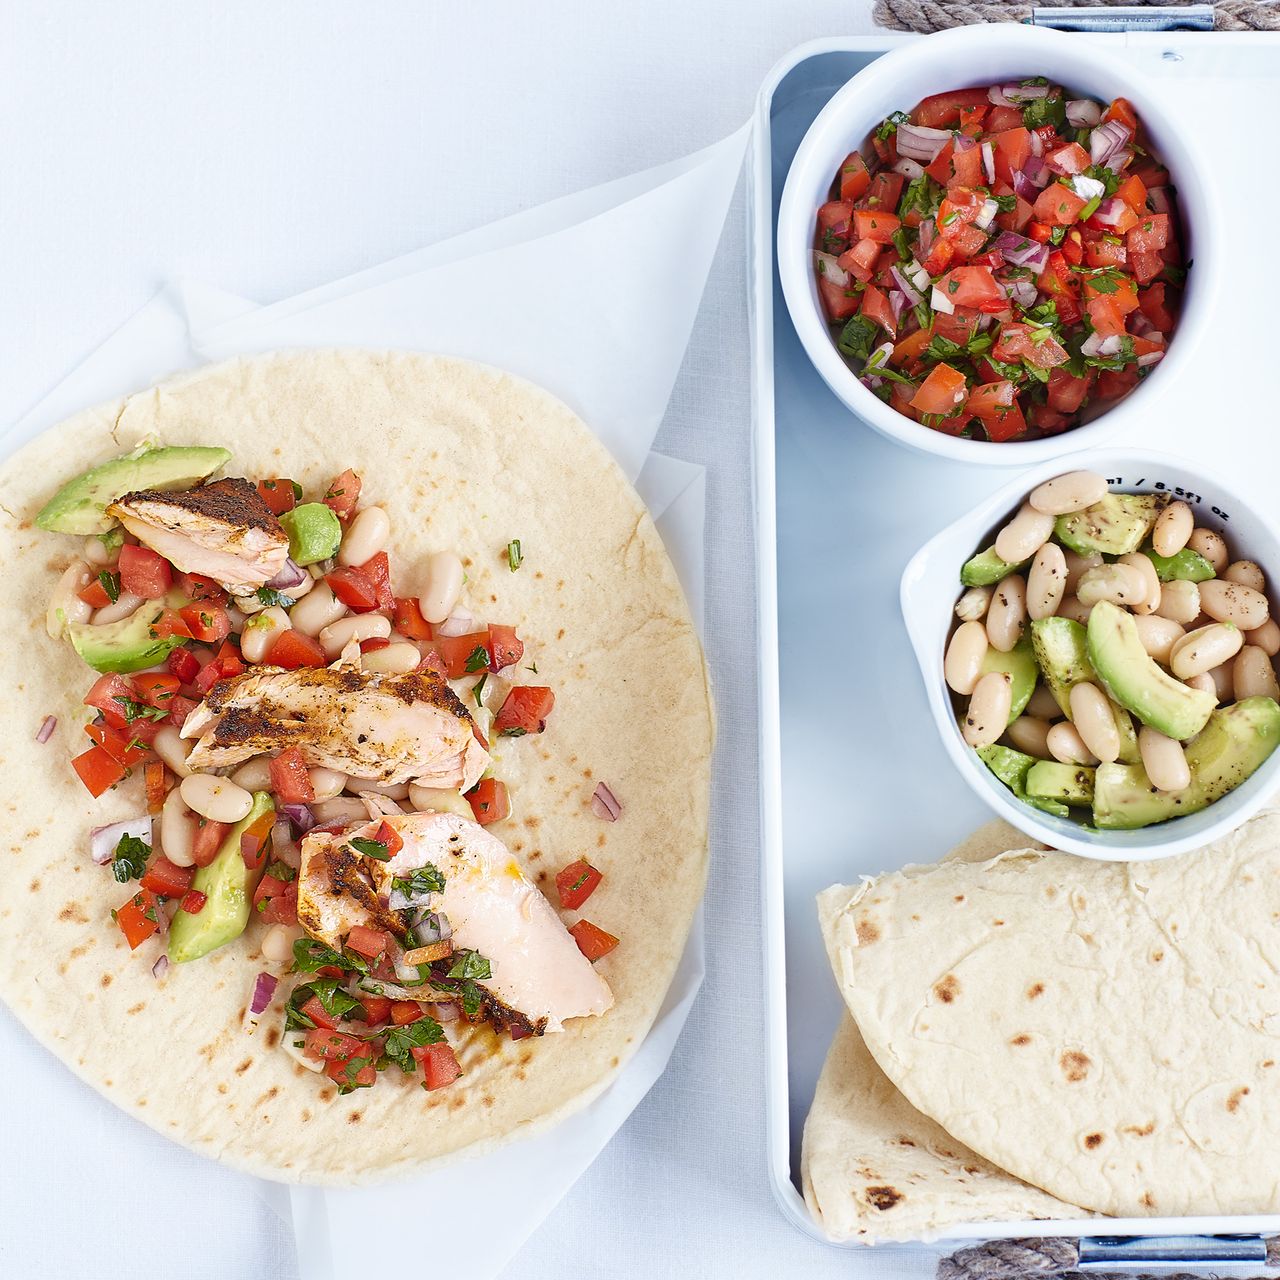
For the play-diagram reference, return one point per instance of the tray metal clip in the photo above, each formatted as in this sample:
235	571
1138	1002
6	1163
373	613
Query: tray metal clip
1122	18
1162	1255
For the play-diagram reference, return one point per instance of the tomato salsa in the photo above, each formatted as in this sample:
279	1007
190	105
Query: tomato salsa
1003	263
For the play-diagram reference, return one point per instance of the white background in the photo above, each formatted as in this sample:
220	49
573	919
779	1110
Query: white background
269	148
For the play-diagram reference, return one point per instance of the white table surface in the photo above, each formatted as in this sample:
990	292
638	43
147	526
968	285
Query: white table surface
271	147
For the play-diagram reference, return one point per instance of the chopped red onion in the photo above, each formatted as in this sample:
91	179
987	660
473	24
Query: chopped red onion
462	622
264	988
927	233
983	321
1023	292
604	804
1020	93
986	215
1143	328
964	143
1110	211
290	575
103	840
1106	140
918	143
940	302
1119	161
828	269
909	168
871	382
1023	186
898	303
988	163
1152	357
301	817
1096	345
1159	199
1022	252
996	96
1083	113
446	1011
909	291
47	726
1037	144
1039	172
161	966
1087	188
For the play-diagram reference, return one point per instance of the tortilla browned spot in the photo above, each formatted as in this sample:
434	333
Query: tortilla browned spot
868	931
1092	1140
946	989
883	1198
1021	1039
1233	1101
1075	1065
1035	990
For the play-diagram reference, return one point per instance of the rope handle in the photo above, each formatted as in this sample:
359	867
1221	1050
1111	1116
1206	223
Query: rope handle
939	15
1052	1256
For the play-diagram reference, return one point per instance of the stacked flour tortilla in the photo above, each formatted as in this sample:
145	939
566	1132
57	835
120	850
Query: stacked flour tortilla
1035	1035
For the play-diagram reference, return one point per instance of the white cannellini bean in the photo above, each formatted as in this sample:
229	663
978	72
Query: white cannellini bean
340	809
963	663
395	659
326	783
1159	635
366	535
1224	682
1247	573
173	749
1172	529
317	610
1046	581
304	588
177	830
277	943
443	586
359	626
1007	613
1066	745
1095	721
218	799
432	798
392	790
258	637
1164	760
98	554
1253	676
1204	682
1043	705
1231	602
1204	649
1266	637
972	606
1073	609
124	607
1147	571
1077	566
1071	492
64	604
1179	602
988	712
1121	584
1024	535
1031	735
254	774
1211	546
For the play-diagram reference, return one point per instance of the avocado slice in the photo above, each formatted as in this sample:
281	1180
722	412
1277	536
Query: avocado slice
986	569
1113	526
131	644
1061	649
1186	566
1132	678
314	533
1012	767
1020	664
1235	742
1066	783
228	885
80	505
1129	753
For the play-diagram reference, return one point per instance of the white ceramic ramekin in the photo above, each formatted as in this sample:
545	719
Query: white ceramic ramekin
961	58
931	586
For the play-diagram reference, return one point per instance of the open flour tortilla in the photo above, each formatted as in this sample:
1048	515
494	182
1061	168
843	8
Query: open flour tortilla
874	1169
1107	1032
462	457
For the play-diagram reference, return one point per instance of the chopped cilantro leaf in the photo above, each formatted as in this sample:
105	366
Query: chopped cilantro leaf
514	732
426	879
514	555
130	859
132	710
110	583
478	659
889	126
269	596
374	849
401	1041
858	337
477	690
310	955
469	964
1042	111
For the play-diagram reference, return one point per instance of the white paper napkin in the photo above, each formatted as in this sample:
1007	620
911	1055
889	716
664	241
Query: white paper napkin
592	296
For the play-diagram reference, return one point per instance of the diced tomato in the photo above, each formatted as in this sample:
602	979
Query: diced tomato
165	879
1146	266
489	801
207	841
1058	281
367	942
119	744
877	308
184	664
838	301
940	168
939	257
107	694
282	908
269	887
1122	110
292	649
1133	191
1105	316
855	177
342	494
374	643
154	778
432	661
95	594
593	942
323	1041
179	709
971	118
195	586
1012	150
911	348
143	572
156	687
1150	233
97	770
193	902
278	494
1066	392
966	166
377	1009
1152	302
970	286
462	654
1057	205
505	647
1039	231
358	1072
137	918
1069	160
875	224
991	399
1003	424
407	619
525	710
253	841
1073	247
207	623
1034	345
440	1065
387	835
576	883
209	675
860	261
353	587
404	1012
1152	173
171	623
969	241
1105	251
1114	383
957	326
942	392
289	778
885	190
835	216
943	109
1016	218
378	570
1000	119
960	206
1047	420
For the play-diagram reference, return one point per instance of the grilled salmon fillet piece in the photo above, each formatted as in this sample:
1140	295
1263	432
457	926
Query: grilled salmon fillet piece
492	907
223	530
386	728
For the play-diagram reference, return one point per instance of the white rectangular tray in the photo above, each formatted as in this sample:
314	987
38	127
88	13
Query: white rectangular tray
853	779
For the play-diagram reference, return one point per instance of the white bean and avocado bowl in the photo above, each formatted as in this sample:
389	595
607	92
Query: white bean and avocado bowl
1111	661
